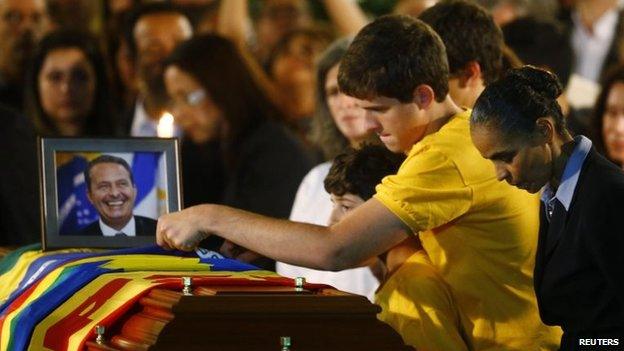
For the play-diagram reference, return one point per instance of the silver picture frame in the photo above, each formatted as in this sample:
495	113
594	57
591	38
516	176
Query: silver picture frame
67	210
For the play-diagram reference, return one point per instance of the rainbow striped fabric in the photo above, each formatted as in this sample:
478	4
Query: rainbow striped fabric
52	301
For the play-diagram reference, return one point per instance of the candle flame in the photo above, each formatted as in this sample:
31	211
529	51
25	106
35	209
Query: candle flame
165	125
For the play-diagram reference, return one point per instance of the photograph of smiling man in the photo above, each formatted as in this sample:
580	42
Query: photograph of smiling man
112	191
111	195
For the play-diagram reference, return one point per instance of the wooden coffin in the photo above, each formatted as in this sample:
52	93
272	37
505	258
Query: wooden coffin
250	318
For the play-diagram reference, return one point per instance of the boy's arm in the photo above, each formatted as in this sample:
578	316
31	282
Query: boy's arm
366	232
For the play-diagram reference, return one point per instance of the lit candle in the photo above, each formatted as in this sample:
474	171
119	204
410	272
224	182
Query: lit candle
165	126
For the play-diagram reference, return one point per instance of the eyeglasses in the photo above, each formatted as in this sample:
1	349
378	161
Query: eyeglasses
195	97
191	99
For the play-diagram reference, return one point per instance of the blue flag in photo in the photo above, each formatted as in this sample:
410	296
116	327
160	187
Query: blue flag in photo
75	209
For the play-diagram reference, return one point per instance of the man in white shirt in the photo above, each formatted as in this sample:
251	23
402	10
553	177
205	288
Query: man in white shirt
112	191
595	36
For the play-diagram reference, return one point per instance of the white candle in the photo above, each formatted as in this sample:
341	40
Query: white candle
165	126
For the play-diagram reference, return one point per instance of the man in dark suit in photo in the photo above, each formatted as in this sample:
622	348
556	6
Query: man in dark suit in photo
112	191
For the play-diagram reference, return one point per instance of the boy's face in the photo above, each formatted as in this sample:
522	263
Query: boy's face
343	205
398	125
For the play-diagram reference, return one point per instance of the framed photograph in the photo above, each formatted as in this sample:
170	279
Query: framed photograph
106	193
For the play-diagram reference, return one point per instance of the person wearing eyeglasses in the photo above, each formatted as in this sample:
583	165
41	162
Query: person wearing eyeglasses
235	151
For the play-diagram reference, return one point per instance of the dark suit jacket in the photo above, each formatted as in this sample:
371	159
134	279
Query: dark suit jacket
144	227
579	270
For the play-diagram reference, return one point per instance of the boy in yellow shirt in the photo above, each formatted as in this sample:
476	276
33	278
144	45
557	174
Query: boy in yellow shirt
413	297
479	234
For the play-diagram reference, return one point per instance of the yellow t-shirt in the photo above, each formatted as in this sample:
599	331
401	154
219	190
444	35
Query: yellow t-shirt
418	304
481	234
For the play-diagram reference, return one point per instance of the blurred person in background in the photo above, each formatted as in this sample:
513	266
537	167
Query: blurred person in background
276	18
596	29
232	131
473	47
262	27
505	11
68	92
289	46
79	15
291	69
412	7
608	118
152	32
338	123
22	23
544	44
202	13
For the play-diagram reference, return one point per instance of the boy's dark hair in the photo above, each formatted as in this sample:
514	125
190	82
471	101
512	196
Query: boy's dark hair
358	171
141	11
469	34
105	159
541	43
391	57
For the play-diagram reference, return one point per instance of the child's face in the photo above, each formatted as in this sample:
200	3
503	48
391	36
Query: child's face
343	205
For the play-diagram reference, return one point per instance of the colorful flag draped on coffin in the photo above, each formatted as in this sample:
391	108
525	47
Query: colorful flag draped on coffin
61	297
25	265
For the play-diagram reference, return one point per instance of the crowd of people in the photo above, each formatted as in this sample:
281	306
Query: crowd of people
415	115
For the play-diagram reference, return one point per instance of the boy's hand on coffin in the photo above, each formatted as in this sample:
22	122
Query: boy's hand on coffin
180	230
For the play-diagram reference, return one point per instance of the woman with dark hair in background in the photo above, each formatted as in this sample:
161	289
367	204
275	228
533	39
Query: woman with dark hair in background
337	124
290	67
237	153
68	91
517	123
608	119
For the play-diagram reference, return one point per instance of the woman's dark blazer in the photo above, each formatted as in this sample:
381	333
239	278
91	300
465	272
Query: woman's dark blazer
579	270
